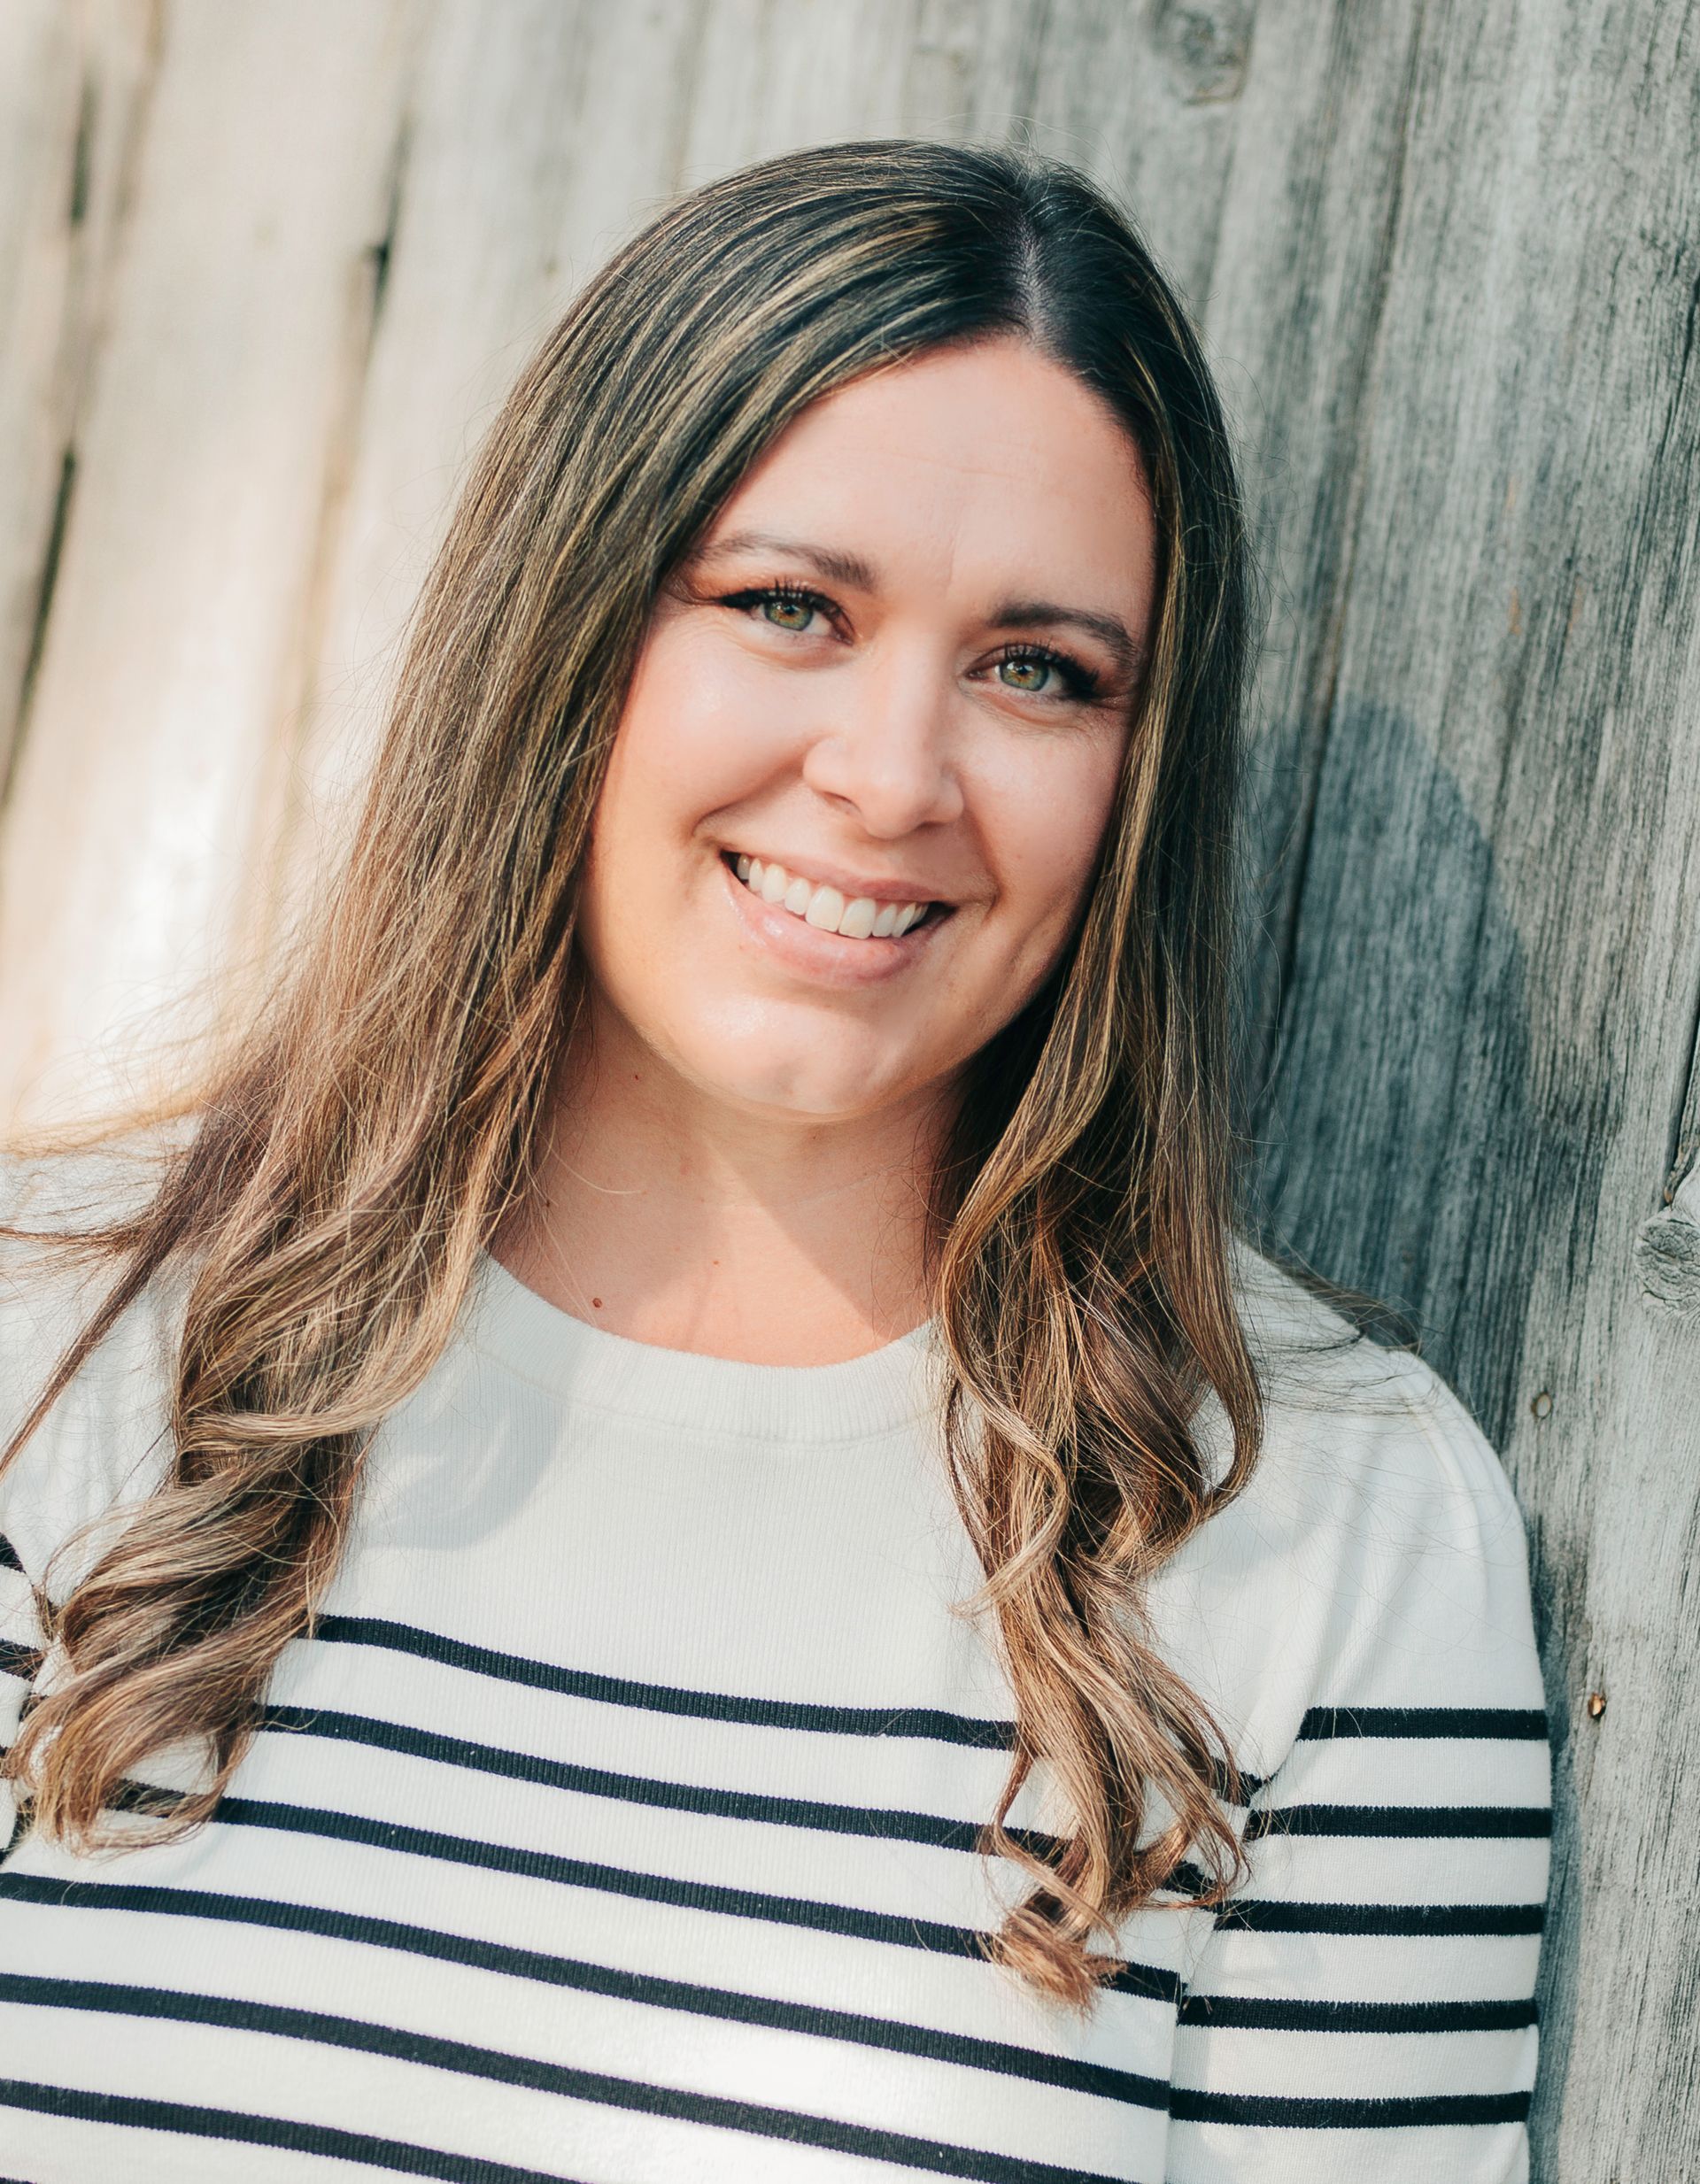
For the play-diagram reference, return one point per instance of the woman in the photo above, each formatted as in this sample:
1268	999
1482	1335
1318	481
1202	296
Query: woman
688	1544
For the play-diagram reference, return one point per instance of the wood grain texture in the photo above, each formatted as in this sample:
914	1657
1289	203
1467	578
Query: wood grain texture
170	660
1446	260
74	88
1495	956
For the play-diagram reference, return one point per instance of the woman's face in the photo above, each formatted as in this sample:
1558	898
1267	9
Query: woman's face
898	670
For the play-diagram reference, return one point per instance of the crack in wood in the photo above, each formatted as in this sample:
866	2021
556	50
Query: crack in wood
379	253
82	155
44	591
1685	1142
84	319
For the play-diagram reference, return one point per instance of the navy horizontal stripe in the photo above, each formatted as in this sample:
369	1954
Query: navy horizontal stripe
9	1556
1145	1980
1314	2112
17	1660
878	1822
355	2035
1465	1722
1484	1821
933	1723
893	2034
1251	2012
231	2127
1271	1915
842	1721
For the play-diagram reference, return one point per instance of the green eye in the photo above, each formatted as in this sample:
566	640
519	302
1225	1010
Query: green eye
1078	682
792	601
799	607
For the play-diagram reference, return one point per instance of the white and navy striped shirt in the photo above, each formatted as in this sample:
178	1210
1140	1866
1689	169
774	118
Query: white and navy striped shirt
617	1822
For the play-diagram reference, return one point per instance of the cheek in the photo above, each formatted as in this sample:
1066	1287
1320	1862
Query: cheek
696	732
698	699
1045	823
656	753
694	738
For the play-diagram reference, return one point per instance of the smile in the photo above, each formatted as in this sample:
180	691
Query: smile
858	917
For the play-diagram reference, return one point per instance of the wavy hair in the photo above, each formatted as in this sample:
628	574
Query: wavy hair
349	1159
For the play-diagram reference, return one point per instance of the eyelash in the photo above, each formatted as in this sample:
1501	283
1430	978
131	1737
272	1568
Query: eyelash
1082	683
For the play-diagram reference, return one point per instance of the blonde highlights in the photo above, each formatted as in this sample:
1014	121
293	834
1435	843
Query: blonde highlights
349	1161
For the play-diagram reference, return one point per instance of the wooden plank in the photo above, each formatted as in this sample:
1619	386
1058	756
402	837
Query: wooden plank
1293	320
1497	954
522	160
74	88
201	477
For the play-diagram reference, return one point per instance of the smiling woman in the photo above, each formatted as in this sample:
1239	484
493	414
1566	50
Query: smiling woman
860	826
683	1538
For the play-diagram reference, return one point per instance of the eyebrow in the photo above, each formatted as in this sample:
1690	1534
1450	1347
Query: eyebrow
851	568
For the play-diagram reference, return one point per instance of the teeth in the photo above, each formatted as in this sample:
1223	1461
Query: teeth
824	908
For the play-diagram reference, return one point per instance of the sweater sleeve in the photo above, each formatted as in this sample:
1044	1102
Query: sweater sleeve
1365	2006
21	1643
27	1330
98	1449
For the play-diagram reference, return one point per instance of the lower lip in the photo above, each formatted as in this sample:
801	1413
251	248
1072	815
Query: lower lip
830	959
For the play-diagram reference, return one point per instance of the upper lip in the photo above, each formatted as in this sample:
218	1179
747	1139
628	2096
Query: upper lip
823	873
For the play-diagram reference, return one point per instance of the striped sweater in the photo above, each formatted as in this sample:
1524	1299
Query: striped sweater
618	1821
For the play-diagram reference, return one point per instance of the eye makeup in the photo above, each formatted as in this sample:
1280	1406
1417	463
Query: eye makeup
1081	684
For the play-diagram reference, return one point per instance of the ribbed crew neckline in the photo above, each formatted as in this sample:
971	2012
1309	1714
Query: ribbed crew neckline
876	1393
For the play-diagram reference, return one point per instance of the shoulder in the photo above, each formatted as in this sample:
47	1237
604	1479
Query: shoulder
1378	1548
104	1441
1352	1427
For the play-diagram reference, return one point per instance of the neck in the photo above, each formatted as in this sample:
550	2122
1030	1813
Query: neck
668	1215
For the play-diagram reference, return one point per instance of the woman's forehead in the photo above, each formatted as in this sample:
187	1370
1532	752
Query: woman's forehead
985	467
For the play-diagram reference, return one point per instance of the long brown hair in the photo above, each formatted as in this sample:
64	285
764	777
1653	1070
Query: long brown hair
346	1162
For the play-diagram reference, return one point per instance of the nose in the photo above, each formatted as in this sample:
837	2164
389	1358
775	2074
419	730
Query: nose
886	751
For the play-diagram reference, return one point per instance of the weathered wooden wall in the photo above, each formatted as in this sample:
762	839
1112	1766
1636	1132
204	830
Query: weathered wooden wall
266	271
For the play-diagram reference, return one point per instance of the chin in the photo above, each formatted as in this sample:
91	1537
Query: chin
801	1084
